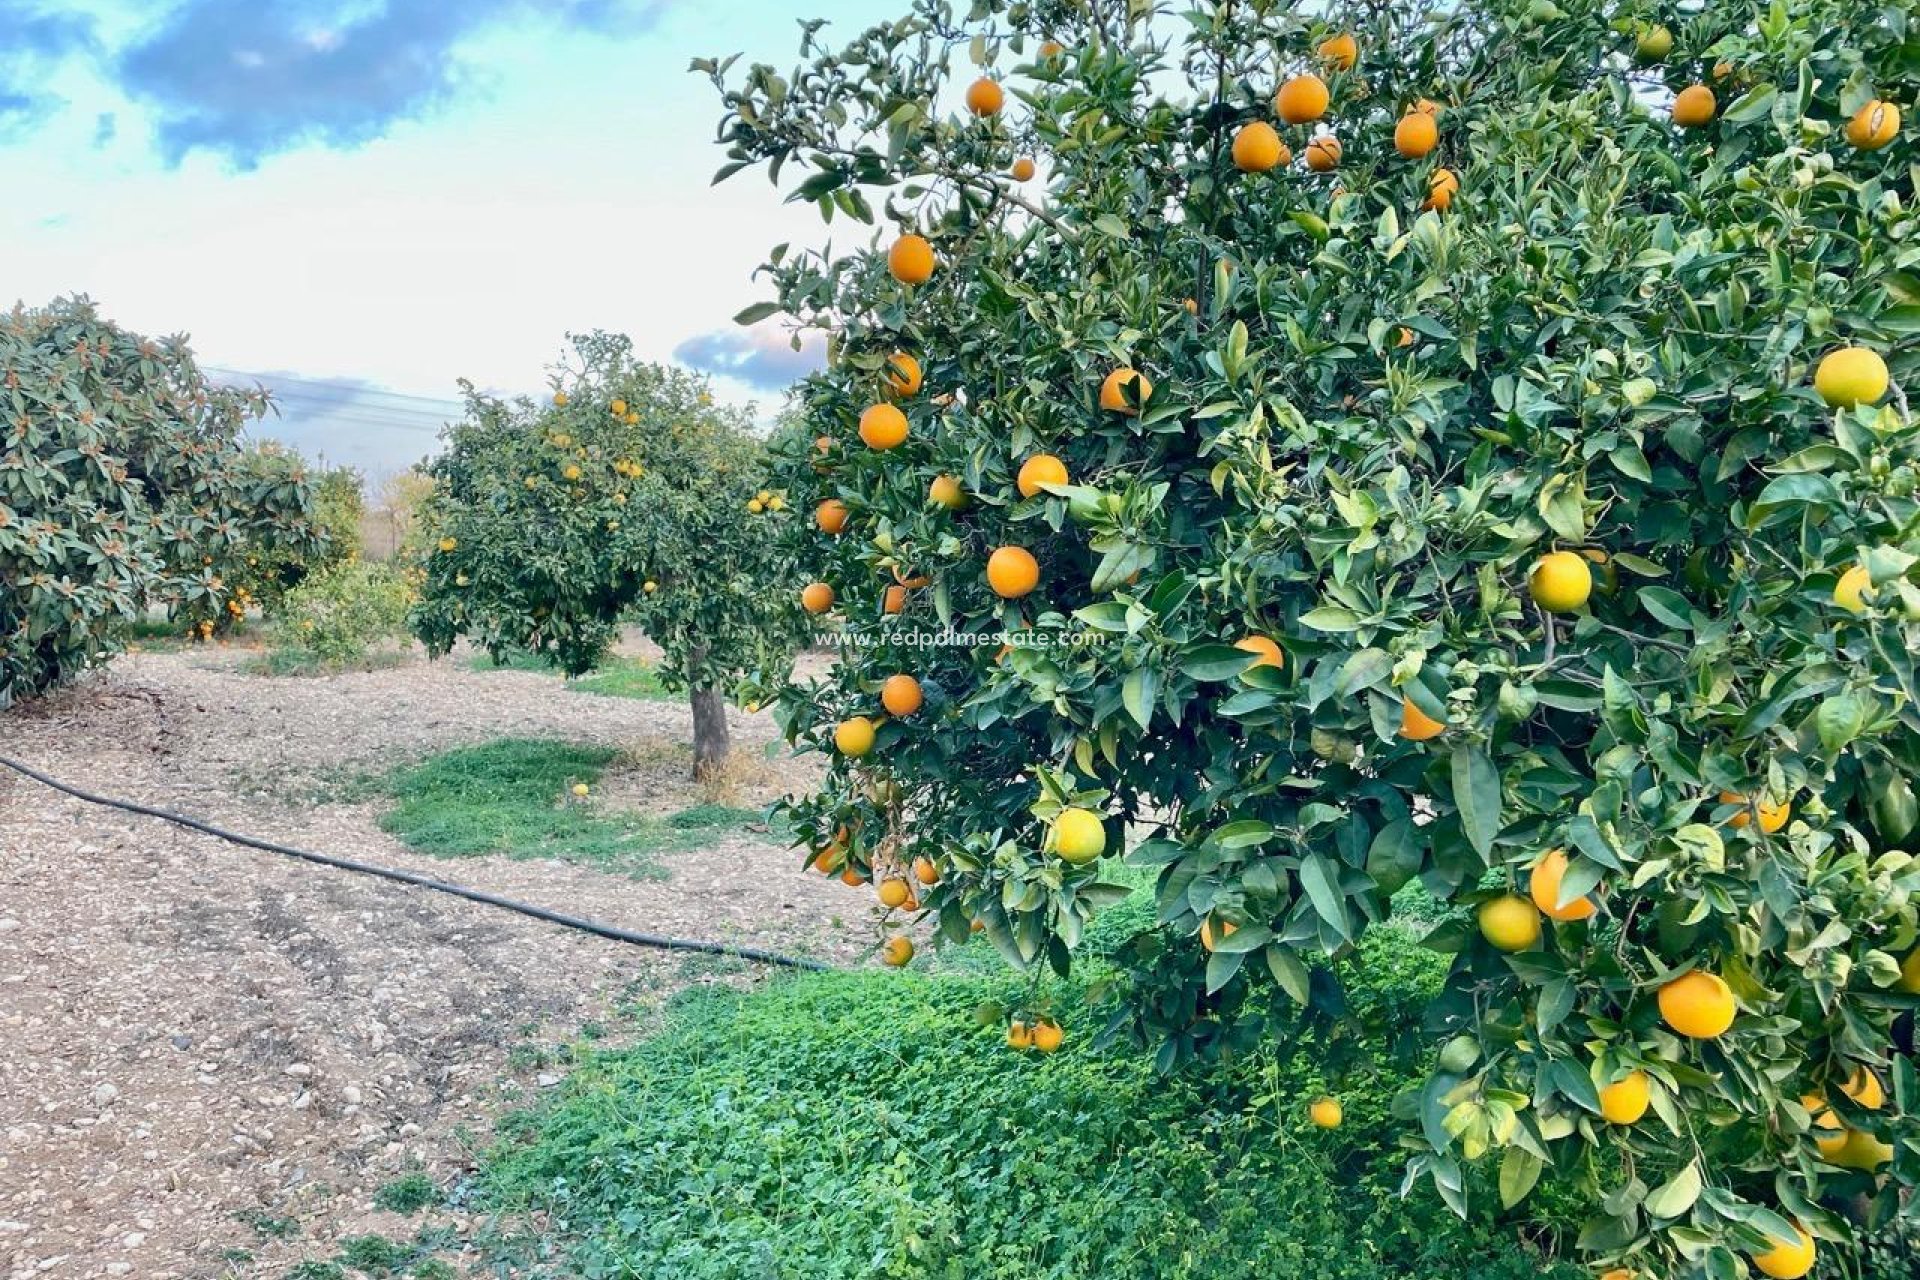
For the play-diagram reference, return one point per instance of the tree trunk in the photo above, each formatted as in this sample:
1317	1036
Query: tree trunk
711	745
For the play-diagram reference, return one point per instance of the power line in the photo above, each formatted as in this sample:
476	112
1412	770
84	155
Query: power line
352	390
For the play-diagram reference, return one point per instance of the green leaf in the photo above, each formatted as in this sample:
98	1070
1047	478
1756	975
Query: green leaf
1289	971
1476	794
1215	662
1519	1171
1137	695
1675	1196
757	312
1321	879
1330	618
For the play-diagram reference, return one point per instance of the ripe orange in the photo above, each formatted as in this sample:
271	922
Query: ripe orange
1209	939
854	737
1267	650
1543	886
1257	148
1560	582
1910	974
1121	384
883	427
831	516
816	597
898	952
924	871
1079	836
1023	169
945	491
985	97
1416	725
1510	922
1694	106
1851	376
1019	1034
1626	1099
901	695
1041	468
894	599
894	892
1788	1259
1323	153
1698	1005
911	260
1342	51
1874	125
1327	1113
1052	49
1047	1035
1012	572
1772	816
1302	100
1416	135
1441	188
1865	1089
903	374
1427	107
852	878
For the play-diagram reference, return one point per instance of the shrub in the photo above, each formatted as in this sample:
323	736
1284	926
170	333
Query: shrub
341	613
338	510
1479	501
124	483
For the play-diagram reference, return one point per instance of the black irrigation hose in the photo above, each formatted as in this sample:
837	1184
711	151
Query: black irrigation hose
422	882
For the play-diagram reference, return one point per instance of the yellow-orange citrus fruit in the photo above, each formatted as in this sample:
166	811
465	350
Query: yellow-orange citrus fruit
1772	816
1698	1005
1122	383
816	597
894	599
985	97
1510	922
559	399
894	892
1327	1113
1788	1259
903	374
1543	886
1694	106
1850	593
831	515
1019	1034
945	491
924	871
854	737
1023	169
911	260
898	952
1041	468
1417	134
1256	148
1441	189
1012	572
1874	125
1047	1035
1865	1089
1416	725
1910	974
852	878
1302	100
1323	153
1653	43
901	695
1427	107
1851	376
1341	51
1560	582
1052	49
1267	652
1626	1099
1079	836
1209	939
883	427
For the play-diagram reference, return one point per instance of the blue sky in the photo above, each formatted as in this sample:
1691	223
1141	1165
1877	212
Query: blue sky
360	201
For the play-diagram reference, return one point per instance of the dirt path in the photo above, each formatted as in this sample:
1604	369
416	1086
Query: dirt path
204	1049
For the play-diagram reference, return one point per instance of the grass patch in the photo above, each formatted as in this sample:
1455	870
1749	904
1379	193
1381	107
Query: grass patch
284	663
864	1124
513	798
408	1194
616	678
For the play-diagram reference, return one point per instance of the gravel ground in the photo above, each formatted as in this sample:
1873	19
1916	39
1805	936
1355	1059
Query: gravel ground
204	1048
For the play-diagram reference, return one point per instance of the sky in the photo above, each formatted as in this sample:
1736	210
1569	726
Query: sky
359	202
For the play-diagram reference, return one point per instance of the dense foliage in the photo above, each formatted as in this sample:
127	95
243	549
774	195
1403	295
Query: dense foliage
338	614
628	497
125	483
1390	440
338	508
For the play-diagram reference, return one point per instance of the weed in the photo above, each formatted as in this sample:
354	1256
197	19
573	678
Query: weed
407	1194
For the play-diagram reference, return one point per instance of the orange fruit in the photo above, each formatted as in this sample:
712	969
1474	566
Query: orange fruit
901	695
1323	153
1019	1034
1209	939
1268	651
1427	107
1788	1259
903	374
1416	725
831	515
1772	816
1047	1035
852	878
1874	125
945	491
911	260
1626	1099
816	597
1698	1005
883	427
1257	148
1694	106
1865	1089
1327	1113
1510	922
1543	886
1341	51
894	599
985	97
1041	468
1441	188
1079	836
1122	383
1052	49
1851	376
1012	572
1560	582
1302	100
853	737
1023	169
898	952
1416	135
924	871
894	892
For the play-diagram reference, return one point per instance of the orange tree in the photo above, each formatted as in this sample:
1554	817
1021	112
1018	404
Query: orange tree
1456	442
125	483
627	496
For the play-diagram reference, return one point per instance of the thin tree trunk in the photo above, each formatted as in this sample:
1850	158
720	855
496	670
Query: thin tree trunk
711	745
